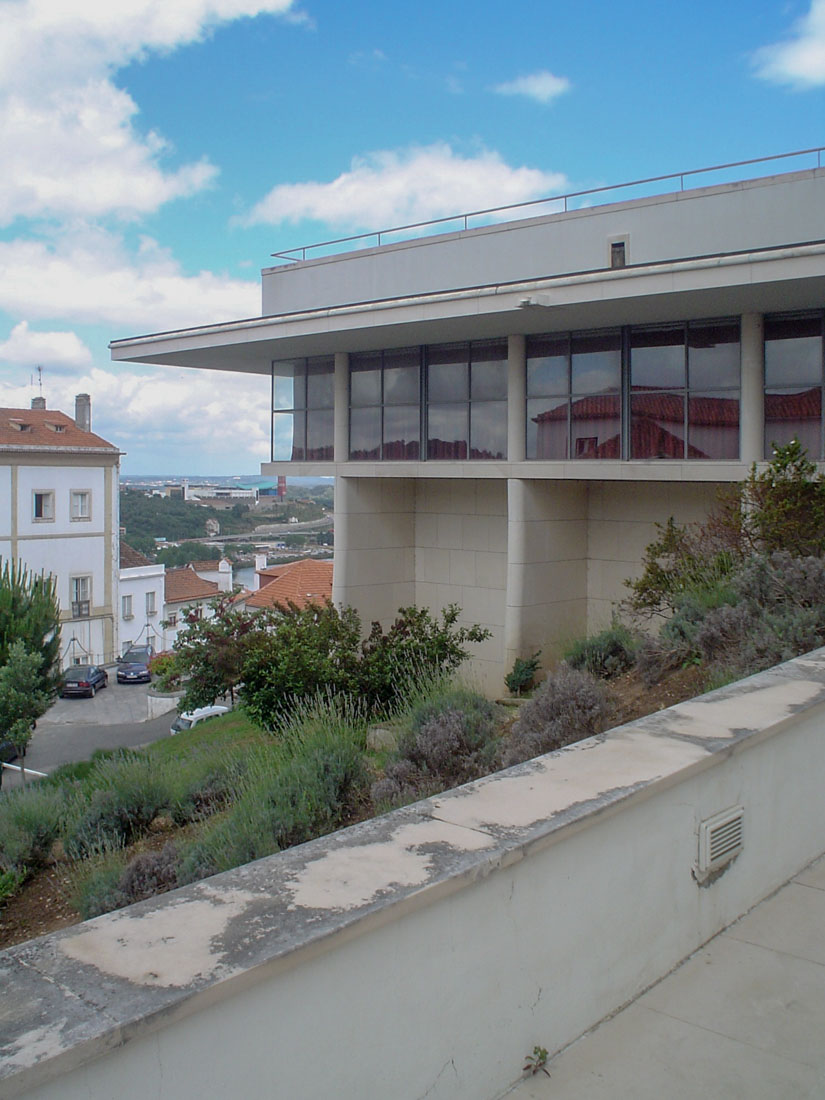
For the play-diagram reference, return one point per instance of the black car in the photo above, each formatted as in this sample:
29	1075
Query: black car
133	666
83	680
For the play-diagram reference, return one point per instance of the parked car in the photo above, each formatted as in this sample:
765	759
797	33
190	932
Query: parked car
8	752
133	666
191	718
83	680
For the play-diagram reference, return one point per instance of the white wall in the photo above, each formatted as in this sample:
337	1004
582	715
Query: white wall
428	951
757	213
141	629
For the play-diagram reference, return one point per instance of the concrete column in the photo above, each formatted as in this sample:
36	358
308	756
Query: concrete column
752	408
516	399
341	550
546	604
341	437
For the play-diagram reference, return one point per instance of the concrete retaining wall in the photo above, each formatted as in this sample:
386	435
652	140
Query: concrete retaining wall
425	953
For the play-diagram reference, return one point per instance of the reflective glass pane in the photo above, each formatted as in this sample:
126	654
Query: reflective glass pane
401	384
595	426
320	384
657	359
793	351
284	436
448	430
657	425
448	373
402	370
284	386
488	372
300	390
547	428
365	434
713	425
547	365
488	429
365	379
320	434
596	363
713	356
790	413
401	433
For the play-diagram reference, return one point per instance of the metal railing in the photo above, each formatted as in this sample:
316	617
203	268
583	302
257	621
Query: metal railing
293	255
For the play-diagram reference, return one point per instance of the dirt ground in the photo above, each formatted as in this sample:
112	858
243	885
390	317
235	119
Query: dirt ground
43	904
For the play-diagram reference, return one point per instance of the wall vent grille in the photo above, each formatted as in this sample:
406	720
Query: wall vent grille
720	839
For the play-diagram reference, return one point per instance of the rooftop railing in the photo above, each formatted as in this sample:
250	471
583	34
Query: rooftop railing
569	201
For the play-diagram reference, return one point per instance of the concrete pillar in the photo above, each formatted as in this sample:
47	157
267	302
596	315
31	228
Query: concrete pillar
752	408
516	399
341	550
546	603
341	436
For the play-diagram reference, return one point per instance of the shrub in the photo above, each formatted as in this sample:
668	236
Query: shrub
166	671
607	654
569	706
451	738
127	793
303	787
10	883
96	888
30	820
148	874
523	674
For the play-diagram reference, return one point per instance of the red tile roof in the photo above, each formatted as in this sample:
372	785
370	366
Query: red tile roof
131	558
184	584
299	582
48	429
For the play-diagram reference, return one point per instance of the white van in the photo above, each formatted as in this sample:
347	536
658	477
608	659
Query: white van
191	718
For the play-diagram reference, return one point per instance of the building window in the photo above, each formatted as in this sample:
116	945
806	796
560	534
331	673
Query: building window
126	607
684	391
793	381
81	591
43	505
151	608
80	504
303	399
467	400
574	396
385	406
173	619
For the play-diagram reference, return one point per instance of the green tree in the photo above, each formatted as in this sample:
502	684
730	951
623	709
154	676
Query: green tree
23	698
29	613
210	653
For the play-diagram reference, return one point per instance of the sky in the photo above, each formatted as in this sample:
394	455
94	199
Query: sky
154	153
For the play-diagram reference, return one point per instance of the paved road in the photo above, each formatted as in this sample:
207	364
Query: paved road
73	728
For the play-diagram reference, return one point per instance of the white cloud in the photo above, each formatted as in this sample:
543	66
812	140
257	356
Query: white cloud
542	86
800	59
87	275
27	348
391	187
166	420
68	135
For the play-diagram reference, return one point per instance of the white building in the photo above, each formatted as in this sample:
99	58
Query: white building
141	600
508	409
185	595
59	514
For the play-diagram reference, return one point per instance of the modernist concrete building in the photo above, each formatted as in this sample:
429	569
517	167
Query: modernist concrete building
59	515
508	409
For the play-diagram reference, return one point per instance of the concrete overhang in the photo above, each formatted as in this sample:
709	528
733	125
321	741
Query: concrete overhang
769	280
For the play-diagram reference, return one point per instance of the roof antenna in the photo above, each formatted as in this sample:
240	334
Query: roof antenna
39	380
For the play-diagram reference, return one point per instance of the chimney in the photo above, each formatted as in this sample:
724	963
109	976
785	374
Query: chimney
260	563
38	402
83	412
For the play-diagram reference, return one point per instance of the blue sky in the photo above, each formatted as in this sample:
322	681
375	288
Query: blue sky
155	152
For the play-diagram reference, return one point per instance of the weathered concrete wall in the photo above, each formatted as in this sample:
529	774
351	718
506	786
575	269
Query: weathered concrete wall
428	951
761	213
